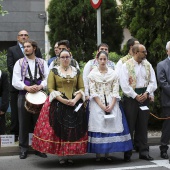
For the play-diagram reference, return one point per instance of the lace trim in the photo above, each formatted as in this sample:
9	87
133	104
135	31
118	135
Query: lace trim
83	95
116	96
109	139
94	95
53	95
73	74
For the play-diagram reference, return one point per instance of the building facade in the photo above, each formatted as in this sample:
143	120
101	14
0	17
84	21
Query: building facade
27	15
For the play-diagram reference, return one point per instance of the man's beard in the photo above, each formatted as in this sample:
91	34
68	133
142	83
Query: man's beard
29	54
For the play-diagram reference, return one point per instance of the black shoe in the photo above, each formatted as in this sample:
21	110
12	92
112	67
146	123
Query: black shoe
42	155
127	158
108	159
136	148
62	162
98	159
164	155
70	162
23	155
146	157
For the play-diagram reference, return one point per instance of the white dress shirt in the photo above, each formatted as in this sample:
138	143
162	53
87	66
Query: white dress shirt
17	79
141	81
118	67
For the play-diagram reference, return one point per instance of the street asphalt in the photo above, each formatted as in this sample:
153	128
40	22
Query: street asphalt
9	159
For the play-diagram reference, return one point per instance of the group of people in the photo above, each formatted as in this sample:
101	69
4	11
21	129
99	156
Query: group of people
85	113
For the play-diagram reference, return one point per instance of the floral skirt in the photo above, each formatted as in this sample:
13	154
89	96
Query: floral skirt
46	141
110	142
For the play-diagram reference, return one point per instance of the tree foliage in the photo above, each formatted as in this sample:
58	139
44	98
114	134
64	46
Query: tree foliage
76	21
3	62
2	12
148	20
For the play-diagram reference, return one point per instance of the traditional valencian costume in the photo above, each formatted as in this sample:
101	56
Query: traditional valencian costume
27	72
107	133
60	129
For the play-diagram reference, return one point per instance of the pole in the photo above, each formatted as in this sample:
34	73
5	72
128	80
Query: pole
99	26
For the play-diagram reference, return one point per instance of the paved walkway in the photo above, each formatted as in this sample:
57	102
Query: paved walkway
14	150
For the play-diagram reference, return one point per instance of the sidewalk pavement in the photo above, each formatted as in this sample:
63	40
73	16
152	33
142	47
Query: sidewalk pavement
14	150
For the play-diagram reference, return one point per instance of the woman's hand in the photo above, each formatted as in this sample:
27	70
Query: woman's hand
109	108
71	102
64	101
103	107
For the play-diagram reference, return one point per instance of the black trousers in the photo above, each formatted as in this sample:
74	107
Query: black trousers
14	113
2	124
138	122
165	130
27	120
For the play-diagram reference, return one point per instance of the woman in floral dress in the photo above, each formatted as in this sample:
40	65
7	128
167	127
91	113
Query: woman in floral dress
108	129
61	129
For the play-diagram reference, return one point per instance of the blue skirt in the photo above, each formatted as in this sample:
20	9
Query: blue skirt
102	143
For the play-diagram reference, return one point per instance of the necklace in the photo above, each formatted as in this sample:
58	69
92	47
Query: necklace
65	68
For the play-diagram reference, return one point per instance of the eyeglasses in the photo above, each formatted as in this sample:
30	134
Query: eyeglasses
65	58
21	35
143	52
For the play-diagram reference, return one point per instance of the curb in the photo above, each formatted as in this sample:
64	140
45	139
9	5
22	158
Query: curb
14	150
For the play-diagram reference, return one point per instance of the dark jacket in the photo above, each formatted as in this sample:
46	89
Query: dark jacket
4	92
13	55
163	77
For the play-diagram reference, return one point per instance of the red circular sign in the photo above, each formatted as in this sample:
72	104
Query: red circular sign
95	3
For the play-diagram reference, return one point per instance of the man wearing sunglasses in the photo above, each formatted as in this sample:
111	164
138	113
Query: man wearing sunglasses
15	53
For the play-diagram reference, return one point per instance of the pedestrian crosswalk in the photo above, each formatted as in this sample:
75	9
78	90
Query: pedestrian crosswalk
157	164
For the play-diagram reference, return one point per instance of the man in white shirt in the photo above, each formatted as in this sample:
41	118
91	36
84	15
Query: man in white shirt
29	75
137	82
130	43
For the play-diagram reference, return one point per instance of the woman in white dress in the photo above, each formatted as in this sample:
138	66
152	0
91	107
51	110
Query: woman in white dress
108	129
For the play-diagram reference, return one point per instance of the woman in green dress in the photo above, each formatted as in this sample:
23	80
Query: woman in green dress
62	126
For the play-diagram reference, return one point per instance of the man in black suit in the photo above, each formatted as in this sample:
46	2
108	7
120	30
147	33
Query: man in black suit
163	77
14	53
4	100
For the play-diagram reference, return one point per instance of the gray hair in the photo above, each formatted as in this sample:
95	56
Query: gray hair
168	45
